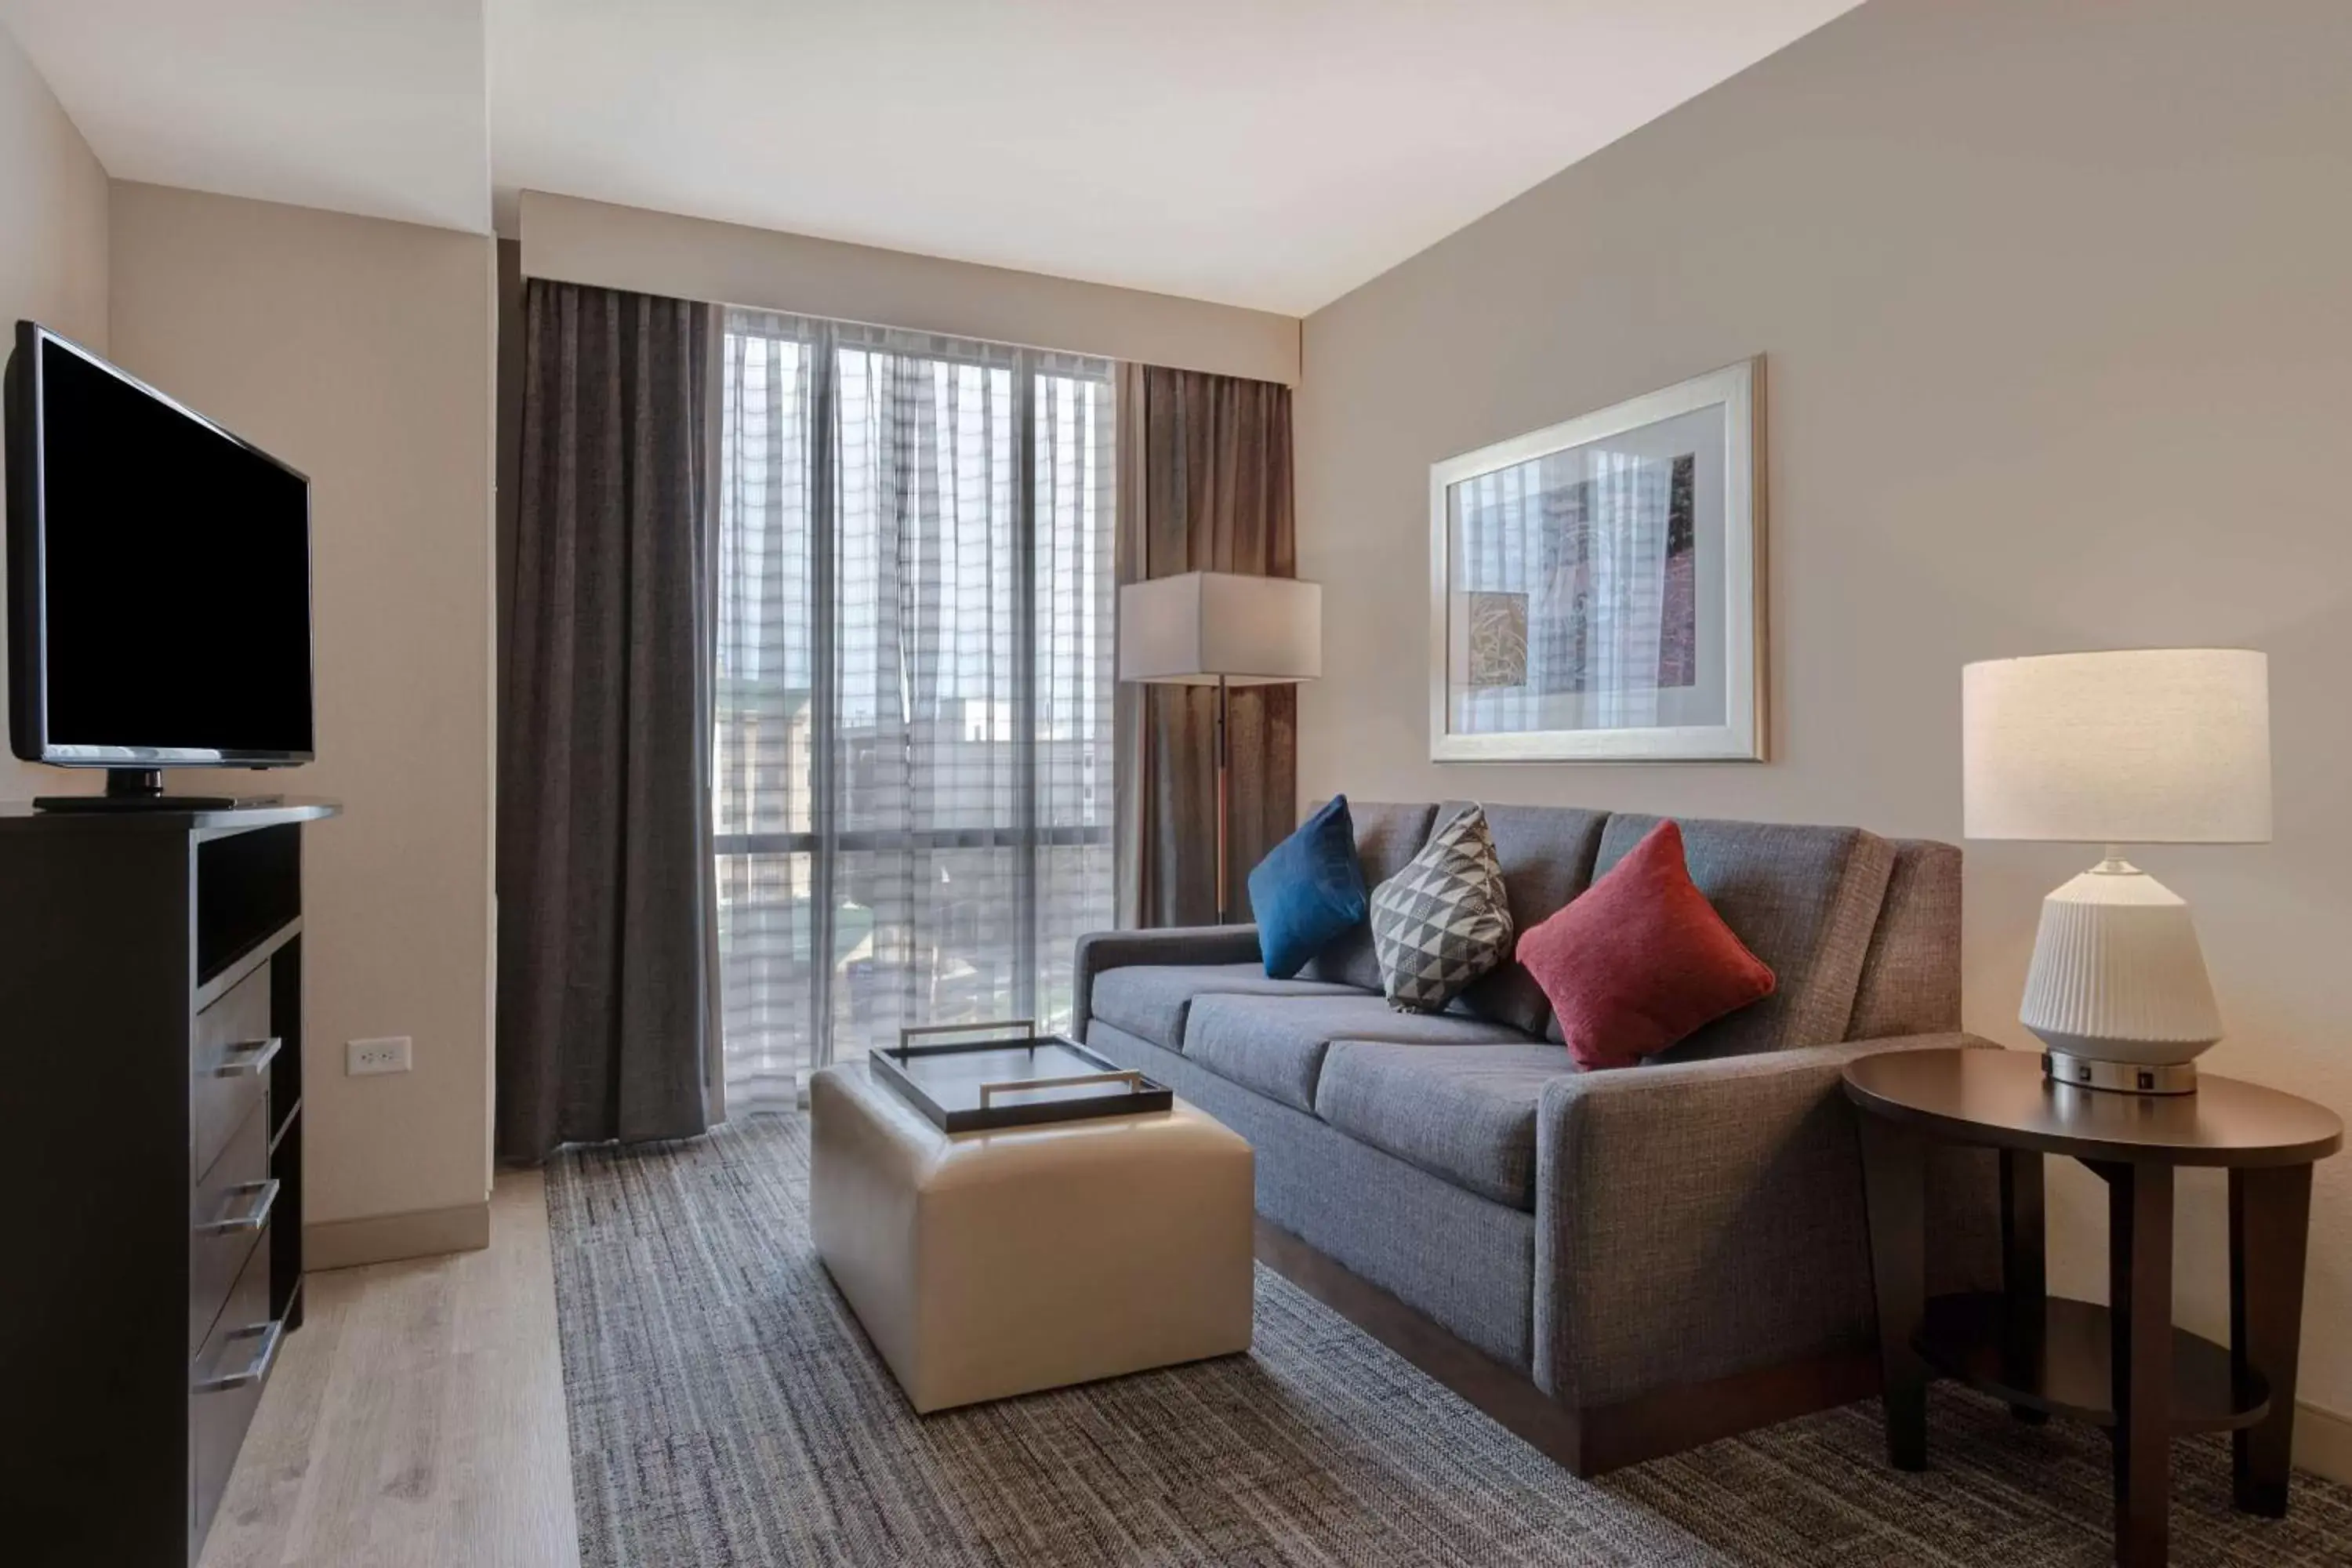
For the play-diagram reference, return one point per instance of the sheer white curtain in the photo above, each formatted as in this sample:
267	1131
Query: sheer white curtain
913	737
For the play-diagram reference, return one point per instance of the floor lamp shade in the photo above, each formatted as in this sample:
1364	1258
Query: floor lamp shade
1201	627
1221	629
2145	746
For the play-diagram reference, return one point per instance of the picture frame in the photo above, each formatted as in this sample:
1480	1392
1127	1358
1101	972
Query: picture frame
1597	587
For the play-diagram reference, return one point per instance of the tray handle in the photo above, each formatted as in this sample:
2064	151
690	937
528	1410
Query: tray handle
1028	1027
1127	1076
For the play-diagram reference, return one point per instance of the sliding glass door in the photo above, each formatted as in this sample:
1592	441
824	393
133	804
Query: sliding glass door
913	691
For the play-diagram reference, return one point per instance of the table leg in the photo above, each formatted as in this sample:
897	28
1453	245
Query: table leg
2270	1231
1895	1188
2139	1295
2025	1284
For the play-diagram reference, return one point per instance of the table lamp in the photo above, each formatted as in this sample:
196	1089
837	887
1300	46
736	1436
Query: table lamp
2145	746
1221	629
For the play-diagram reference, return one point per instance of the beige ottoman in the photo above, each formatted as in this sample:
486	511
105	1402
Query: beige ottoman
989	1264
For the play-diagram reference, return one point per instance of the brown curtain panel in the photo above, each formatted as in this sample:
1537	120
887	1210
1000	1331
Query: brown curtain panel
1204	486
604	872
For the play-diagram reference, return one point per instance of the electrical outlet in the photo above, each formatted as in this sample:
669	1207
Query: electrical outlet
361	1058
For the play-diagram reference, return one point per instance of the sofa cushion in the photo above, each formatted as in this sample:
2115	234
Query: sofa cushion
1641	961
1387	837
1308	890
1443	920
1467	1113
1150	1000
1547	854
1274	1045
1803	899
1464	1261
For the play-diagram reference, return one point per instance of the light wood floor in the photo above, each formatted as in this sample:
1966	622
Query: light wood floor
416	1419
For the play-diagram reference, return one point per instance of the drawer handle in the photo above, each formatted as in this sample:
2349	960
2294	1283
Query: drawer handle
257	1215
266	1338
251	1058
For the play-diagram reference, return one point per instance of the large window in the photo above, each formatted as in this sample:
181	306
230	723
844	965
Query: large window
913	694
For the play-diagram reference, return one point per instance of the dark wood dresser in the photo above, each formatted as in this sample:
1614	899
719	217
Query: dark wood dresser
151	1023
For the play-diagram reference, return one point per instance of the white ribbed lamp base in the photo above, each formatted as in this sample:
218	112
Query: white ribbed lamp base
2119	978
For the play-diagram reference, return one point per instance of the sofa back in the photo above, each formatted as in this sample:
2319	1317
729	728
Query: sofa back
1862	934
1911	981
1547	854
1386	837
1804	900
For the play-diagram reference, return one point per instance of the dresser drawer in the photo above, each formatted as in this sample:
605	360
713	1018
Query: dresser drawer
233	1048
225	1378
228	1211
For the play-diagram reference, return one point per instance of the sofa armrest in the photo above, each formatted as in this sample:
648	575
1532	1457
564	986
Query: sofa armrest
1101	950
1697	1219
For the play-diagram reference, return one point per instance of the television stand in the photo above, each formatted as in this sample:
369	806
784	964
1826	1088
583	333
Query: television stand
152	970
141	789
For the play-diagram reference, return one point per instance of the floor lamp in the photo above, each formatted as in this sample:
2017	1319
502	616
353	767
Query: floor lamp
1220	629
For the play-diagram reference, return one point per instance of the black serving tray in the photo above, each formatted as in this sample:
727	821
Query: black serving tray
1020	1081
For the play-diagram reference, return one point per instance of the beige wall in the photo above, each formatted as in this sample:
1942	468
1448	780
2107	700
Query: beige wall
360	350
52	270
691	259
2059	329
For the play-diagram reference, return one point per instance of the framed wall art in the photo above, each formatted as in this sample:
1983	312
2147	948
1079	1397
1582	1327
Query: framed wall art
1597	588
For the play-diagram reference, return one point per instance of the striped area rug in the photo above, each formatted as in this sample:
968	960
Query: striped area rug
727	1412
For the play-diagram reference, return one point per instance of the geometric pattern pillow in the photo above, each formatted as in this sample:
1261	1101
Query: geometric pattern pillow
1444	920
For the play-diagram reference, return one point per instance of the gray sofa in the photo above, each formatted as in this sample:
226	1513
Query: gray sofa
1673	1251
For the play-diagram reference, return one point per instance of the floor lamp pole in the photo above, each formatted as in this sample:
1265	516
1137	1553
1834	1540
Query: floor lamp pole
1223	799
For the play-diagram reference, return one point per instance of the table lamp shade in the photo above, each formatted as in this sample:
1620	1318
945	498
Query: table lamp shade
2147	746
1198	628
2143	746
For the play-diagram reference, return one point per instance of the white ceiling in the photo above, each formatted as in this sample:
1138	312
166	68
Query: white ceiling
1266	153
365	106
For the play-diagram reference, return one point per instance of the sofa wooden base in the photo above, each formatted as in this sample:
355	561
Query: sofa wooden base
1597	1438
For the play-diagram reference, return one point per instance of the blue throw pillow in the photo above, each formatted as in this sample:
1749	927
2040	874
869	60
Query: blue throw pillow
1308	890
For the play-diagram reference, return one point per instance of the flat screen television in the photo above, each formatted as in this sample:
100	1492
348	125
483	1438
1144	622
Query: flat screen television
159	579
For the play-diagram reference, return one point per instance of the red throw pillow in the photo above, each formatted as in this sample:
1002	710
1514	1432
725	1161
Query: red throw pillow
1640	960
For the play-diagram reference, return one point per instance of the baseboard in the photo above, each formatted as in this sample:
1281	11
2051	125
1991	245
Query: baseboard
380	1238
2323	1442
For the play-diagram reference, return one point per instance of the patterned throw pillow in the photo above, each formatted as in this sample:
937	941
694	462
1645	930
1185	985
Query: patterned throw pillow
1443	920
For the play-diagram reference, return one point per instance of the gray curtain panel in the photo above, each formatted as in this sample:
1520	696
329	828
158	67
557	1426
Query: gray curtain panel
1204	486
604	874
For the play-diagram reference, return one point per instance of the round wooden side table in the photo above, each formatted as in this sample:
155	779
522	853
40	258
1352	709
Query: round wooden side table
2124	1368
